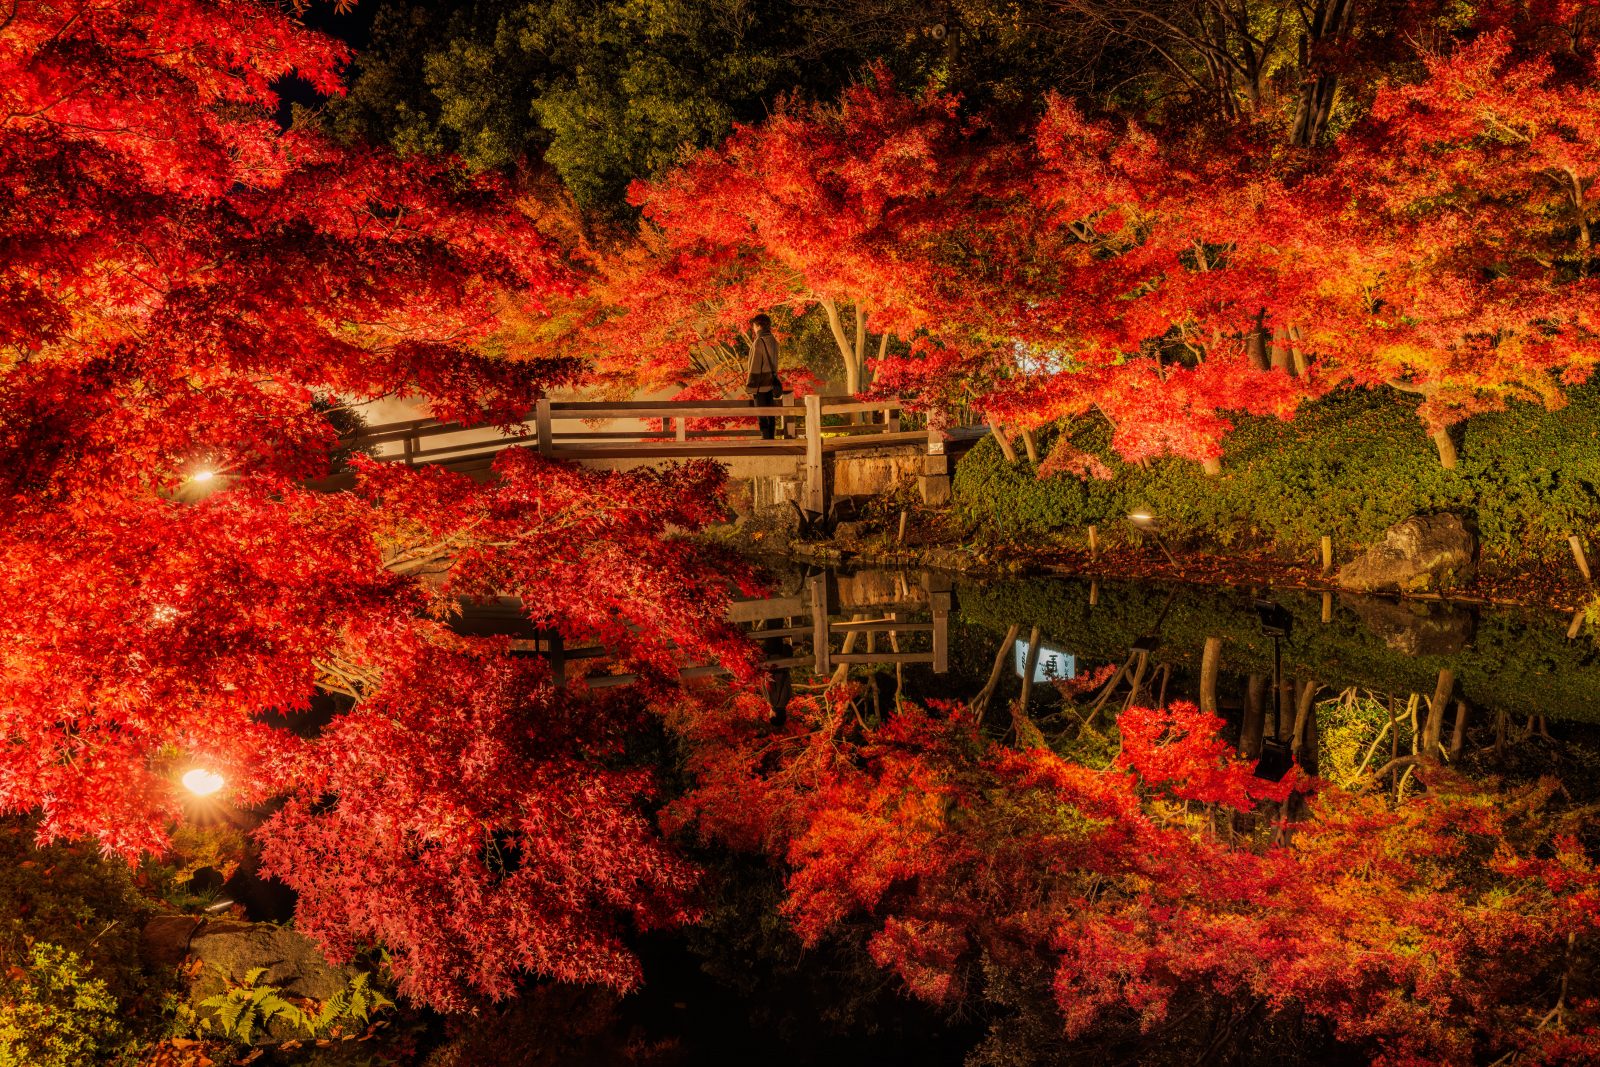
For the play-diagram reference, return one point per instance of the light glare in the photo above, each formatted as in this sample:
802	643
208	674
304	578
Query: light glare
201	782
204	476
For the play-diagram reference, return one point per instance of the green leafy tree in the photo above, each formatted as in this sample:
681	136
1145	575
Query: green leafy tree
604	92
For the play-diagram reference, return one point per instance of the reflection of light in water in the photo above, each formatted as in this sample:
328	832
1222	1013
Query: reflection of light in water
201	782
1054	663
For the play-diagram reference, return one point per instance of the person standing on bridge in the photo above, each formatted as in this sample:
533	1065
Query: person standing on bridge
761	377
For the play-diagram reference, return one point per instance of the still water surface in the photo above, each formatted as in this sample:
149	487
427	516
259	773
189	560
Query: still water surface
740	990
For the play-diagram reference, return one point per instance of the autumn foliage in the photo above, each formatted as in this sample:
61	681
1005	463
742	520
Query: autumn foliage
193	299
1420	930
189	295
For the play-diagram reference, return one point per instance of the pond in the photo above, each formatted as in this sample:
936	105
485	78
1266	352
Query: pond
1287	671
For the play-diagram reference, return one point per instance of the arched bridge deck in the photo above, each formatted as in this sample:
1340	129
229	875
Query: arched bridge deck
813	435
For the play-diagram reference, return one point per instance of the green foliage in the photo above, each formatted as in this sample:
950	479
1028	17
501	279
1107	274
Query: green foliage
605	92
71	897
1349	466
615	90
243	1011
55	1013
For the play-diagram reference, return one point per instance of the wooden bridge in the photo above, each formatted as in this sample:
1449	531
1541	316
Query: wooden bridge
814	434
800	629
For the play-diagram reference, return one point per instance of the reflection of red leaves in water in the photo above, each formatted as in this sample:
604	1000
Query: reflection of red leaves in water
1157	877
1087	682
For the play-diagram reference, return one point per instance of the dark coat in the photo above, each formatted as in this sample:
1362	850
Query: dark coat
761	376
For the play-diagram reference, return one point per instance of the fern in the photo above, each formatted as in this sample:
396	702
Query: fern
243	1010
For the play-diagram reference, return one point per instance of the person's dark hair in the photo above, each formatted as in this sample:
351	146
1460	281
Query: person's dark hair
761	322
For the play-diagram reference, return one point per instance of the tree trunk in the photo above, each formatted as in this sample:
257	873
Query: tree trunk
1210	666
1326	22
1257	688
1029	664
1458	735
1434	728
1305	717
1211	468
1032	447
847	351
1446	447
980	703
1281	359
1255	344
1005	444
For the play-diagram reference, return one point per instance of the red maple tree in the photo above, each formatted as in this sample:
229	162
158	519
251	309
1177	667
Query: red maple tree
186	292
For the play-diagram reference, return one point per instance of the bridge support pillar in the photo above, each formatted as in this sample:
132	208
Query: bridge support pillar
815	493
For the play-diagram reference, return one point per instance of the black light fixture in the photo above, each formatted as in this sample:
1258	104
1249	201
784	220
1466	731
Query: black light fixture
1145	522
1277	623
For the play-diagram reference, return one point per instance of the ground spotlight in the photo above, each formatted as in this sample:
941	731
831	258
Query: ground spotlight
201	782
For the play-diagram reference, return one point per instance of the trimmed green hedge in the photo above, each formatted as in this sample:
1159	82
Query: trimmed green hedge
1348	465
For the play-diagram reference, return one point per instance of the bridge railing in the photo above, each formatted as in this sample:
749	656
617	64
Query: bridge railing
806	432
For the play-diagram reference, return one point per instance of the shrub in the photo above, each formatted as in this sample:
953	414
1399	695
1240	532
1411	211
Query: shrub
55	1013
1348	466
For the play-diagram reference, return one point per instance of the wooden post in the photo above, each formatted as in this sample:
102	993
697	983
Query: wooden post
1094	593
816	494
1210	667
1327	555
555	648
410	446
941	602
1094	543
900	538
1327	607
819	622
541	421
681	428
1577	625
891	420
1579	557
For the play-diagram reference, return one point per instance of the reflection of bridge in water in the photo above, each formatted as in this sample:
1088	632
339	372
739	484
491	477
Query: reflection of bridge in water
830	623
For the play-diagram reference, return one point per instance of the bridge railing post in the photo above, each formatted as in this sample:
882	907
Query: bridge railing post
541	421
820	629
816	494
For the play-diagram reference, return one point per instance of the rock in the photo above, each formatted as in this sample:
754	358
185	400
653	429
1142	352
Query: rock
1421	554
1415	629
164	941
293	962
935	489
850	531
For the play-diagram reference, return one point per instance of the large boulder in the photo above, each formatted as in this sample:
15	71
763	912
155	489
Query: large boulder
1424	553
1415	628
293	962
225	951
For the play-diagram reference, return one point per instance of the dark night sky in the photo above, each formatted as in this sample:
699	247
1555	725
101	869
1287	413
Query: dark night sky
354	27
